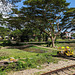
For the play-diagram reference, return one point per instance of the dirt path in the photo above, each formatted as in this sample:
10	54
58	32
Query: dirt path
45	68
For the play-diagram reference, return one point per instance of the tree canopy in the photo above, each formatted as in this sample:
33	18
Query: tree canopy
45	15
4	31
49	16
69	20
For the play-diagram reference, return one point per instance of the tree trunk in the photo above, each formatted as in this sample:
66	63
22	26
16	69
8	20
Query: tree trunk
53	40
53	44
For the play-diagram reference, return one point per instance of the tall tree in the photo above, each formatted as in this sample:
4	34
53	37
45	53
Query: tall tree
45	15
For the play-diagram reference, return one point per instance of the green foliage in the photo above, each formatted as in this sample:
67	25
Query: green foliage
69	20
45	15
73	35
3	57
1	19
40	14
6	43
16	34
4	31
19	65
3	73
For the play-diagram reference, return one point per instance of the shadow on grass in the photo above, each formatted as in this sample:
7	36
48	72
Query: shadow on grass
65	57
7	44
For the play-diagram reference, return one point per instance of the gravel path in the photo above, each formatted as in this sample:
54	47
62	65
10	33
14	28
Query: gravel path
45	68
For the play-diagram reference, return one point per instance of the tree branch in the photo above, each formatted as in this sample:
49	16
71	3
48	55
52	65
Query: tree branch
58	32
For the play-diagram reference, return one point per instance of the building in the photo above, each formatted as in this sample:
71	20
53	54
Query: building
66	35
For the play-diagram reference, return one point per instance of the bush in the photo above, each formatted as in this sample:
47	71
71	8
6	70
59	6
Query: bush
6	43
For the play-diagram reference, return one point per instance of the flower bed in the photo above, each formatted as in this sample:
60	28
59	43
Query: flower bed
65	51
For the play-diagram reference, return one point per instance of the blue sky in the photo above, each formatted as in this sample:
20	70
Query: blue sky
72	3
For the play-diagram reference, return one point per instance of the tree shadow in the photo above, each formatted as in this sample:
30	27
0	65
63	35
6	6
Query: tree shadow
24	47
65	57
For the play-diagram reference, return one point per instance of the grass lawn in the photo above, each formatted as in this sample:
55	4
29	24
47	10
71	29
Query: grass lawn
1	41
72	45
65	40
16	53
29	57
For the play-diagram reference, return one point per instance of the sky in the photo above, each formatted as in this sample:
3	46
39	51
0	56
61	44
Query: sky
72	3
